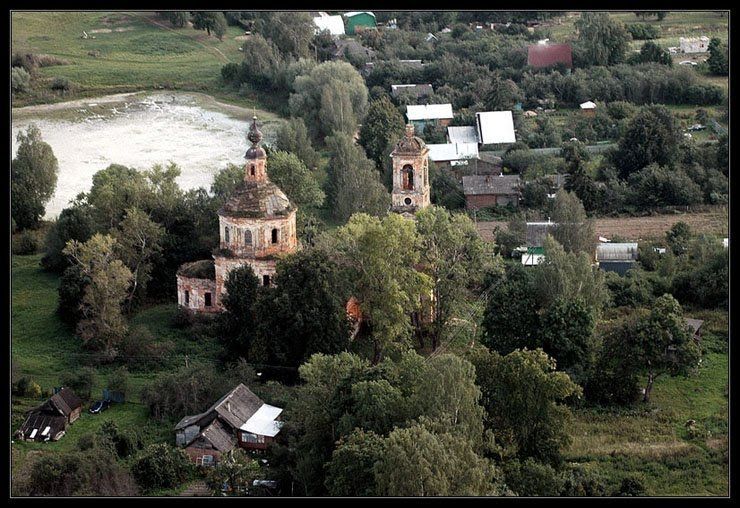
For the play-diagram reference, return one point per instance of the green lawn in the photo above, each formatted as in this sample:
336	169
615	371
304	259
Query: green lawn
130	51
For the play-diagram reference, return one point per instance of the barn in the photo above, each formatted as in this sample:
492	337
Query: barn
49	421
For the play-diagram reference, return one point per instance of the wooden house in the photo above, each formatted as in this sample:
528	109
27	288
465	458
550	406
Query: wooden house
49	421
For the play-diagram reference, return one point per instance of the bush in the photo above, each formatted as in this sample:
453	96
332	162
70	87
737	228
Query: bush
71	290
631	486
118	380
160	466
643	32
20	79
80	381
62	84
230	72
25	243
34	390
141	350
531	478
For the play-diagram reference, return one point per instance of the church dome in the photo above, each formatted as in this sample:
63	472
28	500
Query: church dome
257	199
410	143
254	136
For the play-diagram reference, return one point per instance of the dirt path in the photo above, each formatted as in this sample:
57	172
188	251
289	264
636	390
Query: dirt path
640	228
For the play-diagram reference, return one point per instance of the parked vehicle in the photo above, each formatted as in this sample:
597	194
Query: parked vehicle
99	406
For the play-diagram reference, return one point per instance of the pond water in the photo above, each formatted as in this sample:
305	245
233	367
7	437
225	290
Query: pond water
138	130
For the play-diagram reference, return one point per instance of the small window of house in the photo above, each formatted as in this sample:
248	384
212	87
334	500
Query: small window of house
265	280
207	460
226	234
274	235
207	298
187	297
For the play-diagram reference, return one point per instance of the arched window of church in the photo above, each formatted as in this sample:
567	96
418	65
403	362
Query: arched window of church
274	235
247	237
251	170
226	234
407	176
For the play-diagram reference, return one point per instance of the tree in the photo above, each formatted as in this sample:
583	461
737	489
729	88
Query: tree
262	63
579	181
20	79
290	174
118	380
511	320
446	190
568	336
603	40
380	257
234	473
531	478
103	326
351	469
655	186
574	230
453	255
718	60
226	181
178	19
33	178
74	223
522	396
210	21
382	126
242	287
71	291
291	32
81	381
138	244
330	96
417	462
651	136
160	466
651	52
503	95
292	136
305	312
353	185
114	190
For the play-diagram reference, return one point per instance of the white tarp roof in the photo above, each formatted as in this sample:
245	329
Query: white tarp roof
466	134
429	111
453	151
495	127
262	422
334	24
588	105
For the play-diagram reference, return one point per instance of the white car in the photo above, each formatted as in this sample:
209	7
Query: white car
687	62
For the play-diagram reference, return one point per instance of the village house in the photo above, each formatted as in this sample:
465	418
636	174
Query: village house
357	21
257	225
616	257
462	134
49	421
695	325
483	191
429	114
694	44
495	127
588	108
412	91
549	55
238	419
453	154
332	24
533	252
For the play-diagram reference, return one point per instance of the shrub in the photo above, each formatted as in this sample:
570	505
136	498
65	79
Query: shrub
631	486
118	380
80	381
643	32
20	387
230	72
160	466
62	84
34	390
25	243
20	79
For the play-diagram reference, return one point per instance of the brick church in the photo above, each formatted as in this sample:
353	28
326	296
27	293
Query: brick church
256	225
258	222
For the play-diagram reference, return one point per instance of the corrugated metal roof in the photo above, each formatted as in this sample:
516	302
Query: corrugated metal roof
616	252
464	134
491	184
588	105
429	111
334	24
537	231
453	151
495	127
263	421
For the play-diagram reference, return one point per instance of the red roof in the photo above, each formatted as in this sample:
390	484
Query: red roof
546	55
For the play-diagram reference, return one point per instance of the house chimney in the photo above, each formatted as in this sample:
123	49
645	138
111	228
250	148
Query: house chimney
500	174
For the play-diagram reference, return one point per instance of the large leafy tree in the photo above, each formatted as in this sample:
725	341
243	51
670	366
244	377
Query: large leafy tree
380	257
718	60
74	223
103	326
523	396
235	472
568	335
351	469
453	255
242	289
305	312
651	136
289	173
114	190
353	185
210	21
293	137
603	40
651	52
291	32
575	231
33	178
382	126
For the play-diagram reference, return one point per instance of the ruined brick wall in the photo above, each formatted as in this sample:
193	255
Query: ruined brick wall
224	265
259	230
196	288
411	200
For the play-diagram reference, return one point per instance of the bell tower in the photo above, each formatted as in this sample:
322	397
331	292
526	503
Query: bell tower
254	169
410	174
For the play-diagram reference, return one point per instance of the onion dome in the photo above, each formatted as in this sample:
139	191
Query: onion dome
410	143
254	136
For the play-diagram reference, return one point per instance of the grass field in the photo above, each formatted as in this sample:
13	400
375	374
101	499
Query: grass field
130	51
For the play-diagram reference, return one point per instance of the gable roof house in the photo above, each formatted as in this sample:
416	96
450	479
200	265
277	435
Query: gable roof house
536	232
616	257
358	21
424	114
695	325
416	91
49	421
547	55
456	154
482	191
239	418
495	127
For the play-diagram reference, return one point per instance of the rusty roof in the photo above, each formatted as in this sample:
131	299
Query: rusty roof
491	184
257	199
546	55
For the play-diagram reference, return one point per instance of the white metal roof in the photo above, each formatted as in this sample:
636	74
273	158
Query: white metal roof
466	134
429	111
588	105
495	127
262	422
453	151
334	24
355	13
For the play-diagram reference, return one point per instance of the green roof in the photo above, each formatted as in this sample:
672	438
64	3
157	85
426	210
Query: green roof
536	250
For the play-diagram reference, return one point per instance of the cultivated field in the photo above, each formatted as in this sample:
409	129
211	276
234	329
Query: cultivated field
640	228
